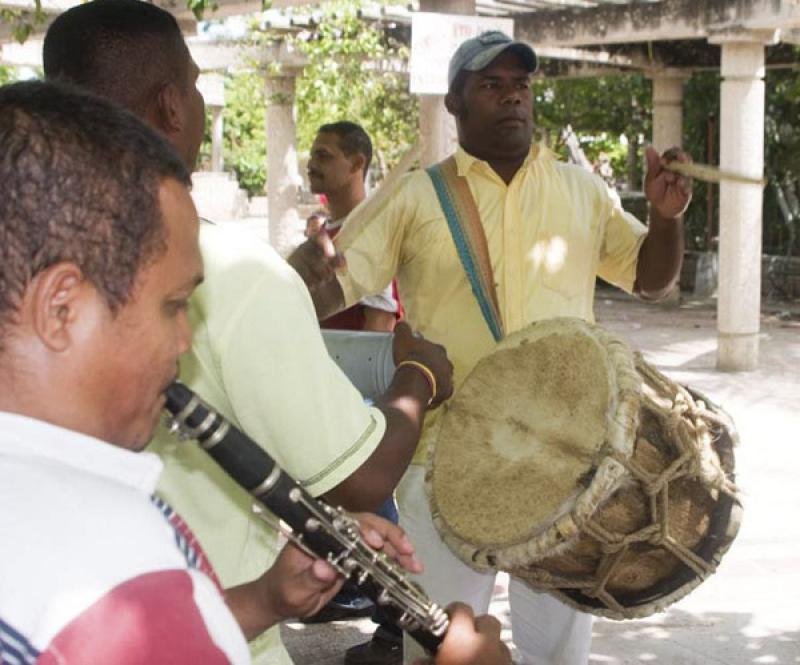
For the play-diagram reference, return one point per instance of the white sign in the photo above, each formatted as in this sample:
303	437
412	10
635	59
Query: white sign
434	39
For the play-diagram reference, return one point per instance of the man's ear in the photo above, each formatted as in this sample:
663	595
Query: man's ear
167	111
55	300
357	163
452	102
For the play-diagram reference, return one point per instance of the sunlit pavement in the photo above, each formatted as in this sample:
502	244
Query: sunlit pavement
749	611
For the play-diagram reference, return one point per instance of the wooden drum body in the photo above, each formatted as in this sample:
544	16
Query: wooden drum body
569	462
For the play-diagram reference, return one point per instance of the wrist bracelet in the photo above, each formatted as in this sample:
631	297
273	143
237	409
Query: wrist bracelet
425	371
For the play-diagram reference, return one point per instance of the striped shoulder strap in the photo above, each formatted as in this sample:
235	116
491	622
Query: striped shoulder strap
465	226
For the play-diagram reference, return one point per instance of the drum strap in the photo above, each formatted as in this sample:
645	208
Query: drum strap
464	221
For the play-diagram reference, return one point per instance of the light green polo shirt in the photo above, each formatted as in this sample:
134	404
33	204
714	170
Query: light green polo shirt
258	357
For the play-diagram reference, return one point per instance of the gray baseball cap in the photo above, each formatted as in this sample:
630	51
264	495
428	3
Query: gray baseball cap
477	53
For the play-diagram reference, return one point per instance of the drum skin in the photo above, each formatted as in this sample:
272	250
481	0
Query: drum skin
569	462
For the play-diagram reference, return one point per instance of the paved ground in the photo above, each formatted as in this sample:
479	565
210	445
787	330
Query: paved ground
749	612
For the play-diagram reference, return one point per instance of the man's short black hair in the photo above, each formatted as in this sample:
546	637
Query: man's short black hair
125	50
353	140
80	183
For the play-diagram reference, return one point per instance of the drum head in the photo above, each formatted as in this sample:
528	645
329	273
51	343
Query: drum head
522	438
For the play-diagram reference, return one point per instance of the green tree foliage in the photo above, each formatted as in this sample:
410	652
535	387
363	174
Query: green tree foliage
599	110
244	131
6	75
23	23
354	73
350	77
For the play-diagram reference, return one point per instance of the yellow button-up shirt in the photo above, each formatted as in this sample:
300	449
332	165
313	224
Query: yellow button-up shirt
550	232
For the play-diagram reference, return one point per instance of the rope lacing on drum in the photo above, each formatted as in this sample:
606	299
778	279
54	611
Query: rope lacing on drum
690	425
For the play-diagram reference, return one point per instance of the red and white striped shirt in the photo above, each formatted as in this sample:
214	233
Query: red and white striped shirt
93	569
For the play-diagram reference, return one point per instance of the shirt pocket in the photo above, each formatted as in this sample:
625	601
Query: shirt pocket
564	255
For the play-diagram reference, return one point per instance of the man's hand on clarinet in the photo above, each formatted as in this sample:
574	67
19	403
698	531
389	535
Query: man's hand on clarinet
470	640
668	192
430	360
298	585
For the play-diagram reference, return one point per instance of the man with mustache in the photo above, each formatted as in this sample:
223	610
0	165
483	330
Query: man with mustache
337	168
548	229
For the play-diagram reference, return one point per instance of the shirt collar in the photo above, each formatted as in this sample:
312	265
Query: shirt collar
465	161
21	436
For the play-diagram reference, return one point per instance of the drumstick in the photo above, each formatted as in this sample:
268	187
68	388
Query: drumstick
360	217
708	173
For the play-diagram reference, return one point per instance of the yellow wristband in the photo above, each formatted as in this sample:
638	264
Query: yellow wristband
425	371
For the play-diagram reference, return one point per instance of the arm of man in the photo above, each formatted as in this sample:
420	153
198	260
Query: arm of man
298	585
316	261
381	310
661	254
403	405
379	320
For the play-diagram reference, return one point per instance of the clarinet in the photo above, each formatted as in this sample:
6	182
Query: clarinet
321	530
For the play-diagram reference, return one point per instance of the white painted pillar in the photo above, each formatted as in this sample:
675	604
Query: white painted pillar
217	162
437	129
212	87
436	126
667	109
741	150
282	170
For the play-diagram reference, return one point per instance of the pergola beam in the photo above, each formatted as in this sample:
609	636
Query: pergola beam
642	22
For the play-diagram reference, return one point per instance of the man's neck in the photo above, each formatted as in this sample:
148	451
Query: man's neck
342	202
505	167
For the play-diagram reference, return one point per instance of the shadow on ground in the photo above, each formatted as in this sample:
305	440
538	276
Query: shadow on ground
673	638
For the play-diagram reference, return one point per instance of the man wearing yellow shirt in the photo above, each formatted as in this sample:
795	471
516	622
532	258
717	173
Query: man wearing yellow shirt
550	229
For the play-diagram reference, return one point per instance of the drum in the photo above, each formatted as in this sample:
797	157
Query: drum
568	461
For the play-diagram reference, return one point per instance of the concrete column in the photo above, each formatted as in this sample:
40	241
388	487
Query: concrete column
667	109
741	150
282	170
212	87
436	126
217	161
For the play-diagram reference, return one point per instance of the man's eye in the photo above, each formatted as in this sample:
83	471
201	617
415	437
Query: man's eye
175	306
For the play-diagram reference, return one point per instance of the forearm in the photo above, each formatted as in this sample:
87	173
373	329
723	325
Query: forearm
379	320
403	405
328	298
660	257
245	602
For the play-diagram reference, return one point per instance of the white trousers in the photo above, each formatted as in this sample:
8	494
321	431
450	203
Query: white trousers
544	630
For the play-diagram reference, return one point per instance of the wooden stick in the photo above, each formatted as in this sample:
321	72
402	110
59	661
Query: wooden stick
360	217
708	173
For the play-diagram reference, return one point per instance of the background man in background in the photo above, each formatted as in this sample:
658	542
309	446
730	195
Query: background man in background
257	354
337	168
549	230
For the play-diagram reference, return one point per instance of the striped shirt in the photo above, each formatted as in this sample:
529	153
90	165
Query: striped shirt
93	568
